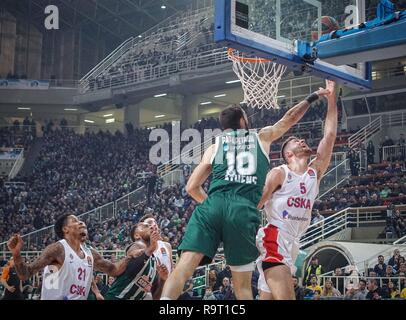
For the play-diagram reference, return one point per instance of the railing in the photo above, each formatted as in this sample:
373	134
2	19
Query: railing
189	37
200	282
106	63
395	119
401	240
366	133
17	165
399	71
110	59
172	178
347	218
394	152
334	178
119	51
126	46
342	283
129	200
100	214
148	73
322	230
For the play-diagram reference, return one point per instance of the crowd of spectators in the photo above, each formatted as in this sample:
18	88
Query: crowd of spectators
19	135
380	185
384	281
73	173
174	42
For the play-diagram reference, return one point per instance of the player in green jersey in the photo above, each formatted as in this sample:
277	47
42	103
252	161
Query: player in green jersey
239	163
143	274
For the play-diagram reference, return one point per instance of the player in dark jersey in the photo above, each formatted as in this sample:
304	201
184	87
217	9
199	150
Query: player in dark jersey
143	274
239	163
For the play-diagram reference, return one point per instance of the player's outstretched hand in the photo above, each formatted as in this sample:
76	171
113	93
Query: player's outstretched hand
330	86
15	244
329	91
323	92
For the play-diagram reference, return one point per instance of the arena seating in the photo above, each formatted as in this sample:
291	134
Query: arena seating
76	173
18	135
182	37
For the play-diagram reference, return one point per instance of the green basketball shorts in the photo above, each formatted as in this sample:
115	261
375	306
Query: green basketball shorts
227	218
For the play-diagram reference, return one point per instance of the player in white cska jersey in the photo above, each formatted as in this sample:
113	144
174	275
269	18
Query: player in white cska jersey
68	264
289	194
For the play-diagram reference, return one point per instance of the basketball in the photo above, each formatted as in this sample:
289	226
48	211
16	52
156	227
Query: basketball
328	24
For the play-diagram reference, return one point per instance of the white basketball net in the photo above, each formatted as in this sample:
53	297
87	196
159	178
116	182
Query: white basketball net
259	78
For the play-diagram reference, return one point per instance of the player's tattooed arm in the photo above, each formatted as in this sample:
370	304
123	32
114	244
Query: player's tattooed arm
136	249
108	267
291	117
53	254
199	176
274	180
326	145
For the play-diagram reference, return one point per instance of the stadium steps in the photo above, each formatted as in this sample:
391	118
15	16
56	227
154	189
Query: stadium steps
31	156
368	233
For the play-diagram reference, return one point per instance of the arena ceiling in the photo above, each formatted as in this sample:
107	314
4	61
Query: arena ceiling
116	19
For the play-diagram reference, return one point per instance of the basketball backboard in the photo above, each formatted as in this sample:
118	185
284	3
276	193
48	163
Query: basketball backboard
270	29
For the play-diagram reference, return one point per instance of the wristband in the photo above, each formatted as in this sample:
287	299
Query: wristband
312	98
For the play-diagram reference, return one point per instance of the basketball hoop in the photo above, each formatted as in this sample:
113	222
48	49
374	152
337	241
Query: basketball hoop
259	78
